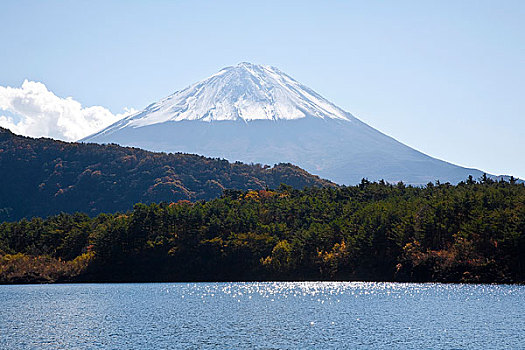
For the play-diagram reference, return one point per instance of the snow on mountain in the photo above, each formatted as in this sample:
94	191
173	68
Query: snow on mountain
244	92
258	114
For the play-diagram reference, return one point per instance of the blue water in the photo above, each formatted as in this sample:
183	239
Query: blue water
262	315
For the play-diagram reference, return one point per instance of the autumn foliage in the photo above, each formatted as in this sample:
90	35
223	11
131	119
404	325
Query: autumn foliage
472	232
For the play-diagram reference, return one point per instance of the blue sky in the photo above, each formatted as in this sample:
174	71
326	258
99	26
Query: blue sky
445	77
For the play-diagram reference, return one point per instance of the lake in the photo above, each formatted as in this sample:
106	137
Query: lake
277	315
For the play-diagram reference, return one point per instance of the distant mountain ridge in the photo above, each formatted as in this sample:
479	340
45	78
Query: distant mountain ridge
258	114
42	177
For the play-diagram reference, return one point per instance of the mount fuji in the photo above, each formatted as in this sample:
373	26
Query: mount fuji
254	113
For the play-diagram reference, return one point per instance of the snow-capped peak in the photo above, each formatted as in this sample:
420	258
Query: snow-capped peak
243	92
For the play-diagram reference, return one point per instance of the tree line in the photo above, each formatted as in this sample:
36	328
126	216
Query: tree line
470	232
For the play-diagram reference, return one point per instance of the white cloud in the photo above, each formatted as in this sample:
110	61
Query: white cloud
35	111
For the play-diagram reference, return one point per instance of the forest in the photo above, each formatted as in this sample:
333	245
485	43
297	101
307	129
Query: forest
473	232
42	177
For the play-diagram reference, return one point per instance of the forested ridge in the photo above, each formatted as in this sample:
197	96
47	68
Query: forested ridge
41	177
470	232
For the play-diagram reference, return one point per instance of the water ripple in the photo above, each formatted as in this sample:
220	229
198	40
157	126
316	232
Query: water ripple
279	315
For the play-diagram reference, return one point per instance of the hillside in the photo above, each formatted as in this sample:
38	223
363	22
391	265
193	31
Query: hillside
42	177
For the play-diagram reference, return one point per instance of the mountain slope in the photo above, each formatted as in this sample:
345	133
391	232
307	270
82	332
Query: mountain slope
42	177
258	114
